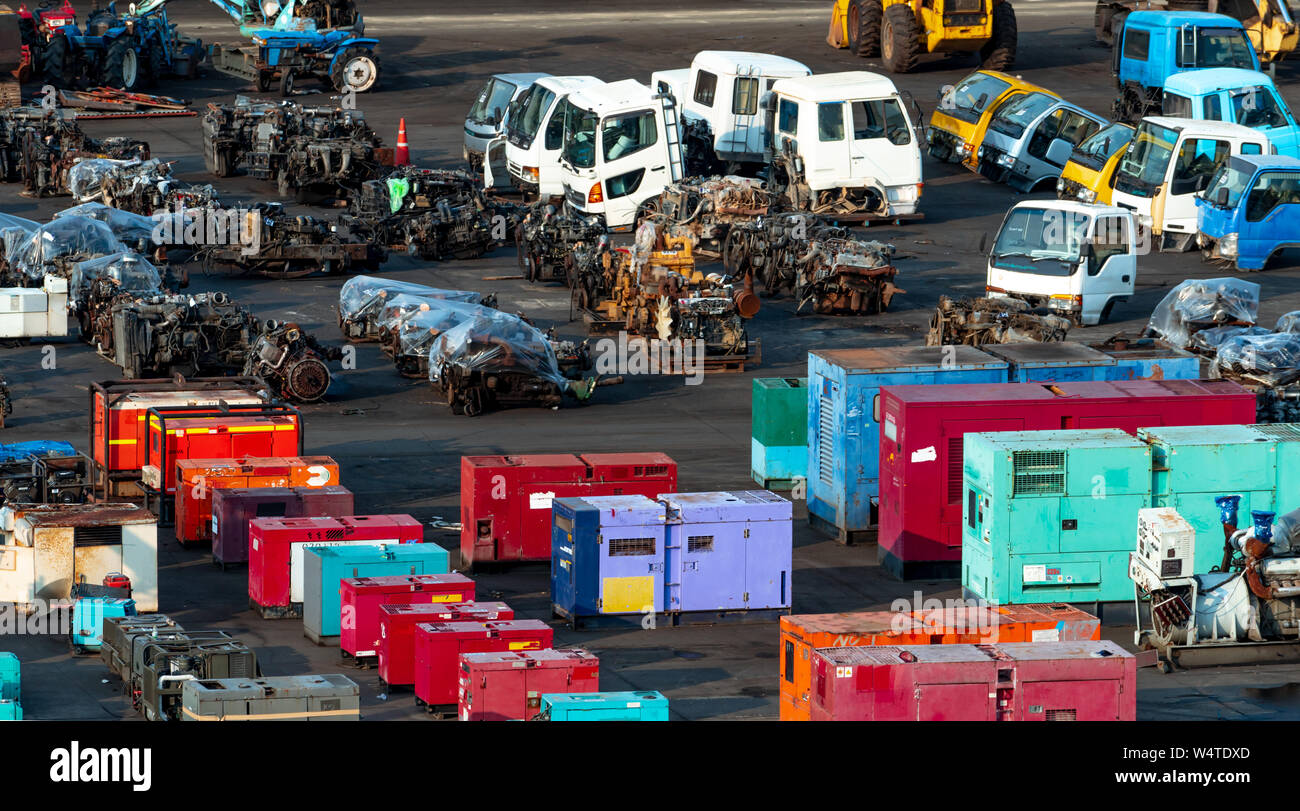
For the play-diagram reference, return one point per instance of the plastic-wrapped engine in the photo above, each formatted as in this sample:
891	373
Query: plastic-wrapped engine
141	187
362	300
1200	304
410	324
292	362
980	321
39	148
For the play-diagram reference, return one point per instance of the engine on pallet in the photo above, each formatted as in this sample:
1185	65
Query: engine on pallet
39	147
705	209
43	473
140	187
432	214
980	321
547	238
362	300
264	239
303	150
497	360
841	276
291	362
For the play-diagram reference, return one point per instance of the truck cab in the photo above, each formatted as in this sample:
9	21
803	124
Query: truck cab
1031	139
1151	46
848	140
487	117
720	99
1169	162
958	124
532	138
621	147
1251	210
1246	97
1076	259
1090	172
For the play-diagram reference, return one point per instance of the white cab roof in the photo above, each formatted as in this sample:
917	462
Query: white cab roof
1071	205
853	84
566	84
1221	128
612	96
741	62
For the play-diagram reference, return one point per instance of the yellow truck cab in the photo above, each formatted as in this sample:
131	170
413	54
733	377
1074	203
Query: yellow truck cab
958	124
1087	175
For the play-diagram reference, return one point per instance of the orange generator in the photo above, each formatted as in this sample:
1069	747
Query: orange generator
801	633
119	439
227	433
197	478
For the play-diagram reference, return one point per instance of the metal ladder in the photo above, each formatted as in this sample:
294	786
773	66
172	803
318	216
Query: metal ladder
740	123
672	136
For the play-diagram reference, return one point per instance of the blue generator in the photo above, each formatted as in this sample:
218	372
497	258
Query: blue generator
88	615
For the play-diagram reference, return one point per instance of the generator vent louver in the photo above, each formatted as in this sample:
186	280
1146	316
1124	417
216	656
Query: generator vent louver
699	543
1038	473
240	667
1282	430
649	470
110	535
334	534
628	547
954	469
825	441
1061	715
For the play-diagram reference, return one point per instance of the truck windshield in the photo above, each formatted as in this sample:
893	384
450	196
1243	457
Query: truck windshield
1015	116
1095	151
1143	167
1257	107
527	120
972	95
492	102
1040	240
1218	48
579	137
1229	184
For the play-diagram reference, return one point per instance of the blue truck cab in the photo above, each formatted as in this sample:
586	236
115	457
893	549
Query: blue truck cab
1151	46
1251	210
1236	95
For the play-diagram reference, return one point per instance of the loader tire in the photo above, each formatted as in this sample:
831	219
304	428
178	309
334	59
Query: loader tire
900	39
1103	18
999	53
122	68
57	69
864	27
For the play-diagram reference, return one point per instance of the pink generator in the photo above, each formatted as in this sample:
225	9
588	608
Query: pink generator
1015	681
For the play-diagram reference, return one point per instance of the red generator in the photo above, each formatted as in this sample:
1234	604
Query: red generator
234	507
183	433
509	685
397	632
275	562
360	599
438	646
922	427
1015	681
505	501
119	439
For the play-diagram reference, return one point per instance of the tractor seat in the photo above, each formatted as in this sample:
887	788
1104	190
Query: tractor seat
100	23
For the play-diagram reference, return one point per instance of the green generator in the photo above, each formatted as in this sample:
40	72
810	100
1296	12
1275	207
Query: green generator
1051	516
779	420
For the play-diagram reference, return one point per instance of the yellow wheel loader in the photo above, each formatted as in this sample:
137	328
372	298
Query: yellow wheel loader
900	32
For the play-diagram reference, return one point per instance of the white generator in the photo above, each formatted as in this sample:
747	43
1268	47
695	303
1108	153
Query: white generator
31	312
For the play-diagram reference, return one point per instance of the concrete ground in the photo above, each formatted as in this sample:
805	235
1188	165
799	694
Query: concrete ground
400	449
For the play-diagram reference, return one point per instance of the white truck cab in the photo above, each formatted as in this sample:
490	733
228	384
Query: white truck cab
487	117
1076	259
1168	163
851	140
529	147
720	97
621	147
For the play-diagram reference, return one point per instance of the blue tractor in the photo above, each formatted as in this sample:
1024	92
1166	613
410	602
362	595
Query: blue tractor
290	45
1151	46
124	51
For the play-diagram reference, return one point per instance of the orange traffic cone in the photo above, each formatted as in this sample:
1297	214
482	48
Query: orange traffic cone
401	155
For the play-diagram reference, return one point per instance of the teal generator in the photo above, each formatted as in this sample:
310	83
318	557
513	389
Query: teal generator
10	688
627	706
325	566
779	431
1051	516
88	615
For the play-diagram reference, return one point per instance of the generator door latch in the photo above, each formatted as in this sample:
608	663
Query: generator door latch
1070	523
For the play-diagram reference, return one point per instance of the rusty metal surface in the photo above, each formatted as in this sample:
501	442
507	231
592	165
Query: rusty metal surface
83	515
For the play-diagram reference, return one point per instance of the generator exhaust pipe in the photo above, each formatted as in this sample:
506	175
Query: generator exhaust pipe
1228	506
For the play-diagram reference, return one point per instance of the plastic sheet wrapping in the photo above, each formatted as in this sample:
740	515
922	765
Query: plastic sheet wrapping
1288	322
366	293
1209	340
85	178
9	221
1273	358
73	238
420	328
135	230
131	271
493	340
1203	302
23	451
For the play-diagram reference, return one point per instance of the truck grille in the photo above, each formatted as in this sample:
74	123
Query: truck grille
575	198
963	20
989	164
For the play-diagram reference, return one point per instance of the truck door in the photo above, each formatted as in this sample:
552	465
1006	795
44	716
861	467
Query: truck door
1194	164
1044	154
1272	218
881	147
634	162
831	165
1259	108
1112	267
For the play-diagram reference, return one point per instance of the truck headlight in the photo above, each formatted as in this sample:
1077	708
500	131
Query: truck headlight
963	149
1087	195
1006	160
531	173
1064	302
1227	246
1060	185
980	153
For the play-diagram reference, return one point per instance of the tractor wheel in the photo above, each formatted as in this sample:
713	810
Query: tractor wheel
999	53
264	79
864	27
286	83
157	63
121	65
356	69
58	59
900	39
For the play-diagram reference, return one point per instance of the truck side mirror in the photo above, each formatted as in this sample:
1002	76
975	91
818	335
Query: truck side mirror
1058	152
1221	199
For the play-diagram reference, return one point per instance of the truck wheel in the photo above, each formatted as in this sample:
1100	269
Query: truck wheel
356	70
900	39
864	27
121	64
1105	311
999	53
57	69
158	67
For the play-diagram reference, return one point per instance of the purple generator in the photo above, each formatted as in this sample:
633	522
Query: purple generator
234	507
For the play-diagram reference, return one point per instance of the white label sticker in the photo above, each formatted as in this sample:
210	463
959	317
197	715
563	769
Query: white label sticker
891	430
925	455
540	501
1034	574
1045	635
